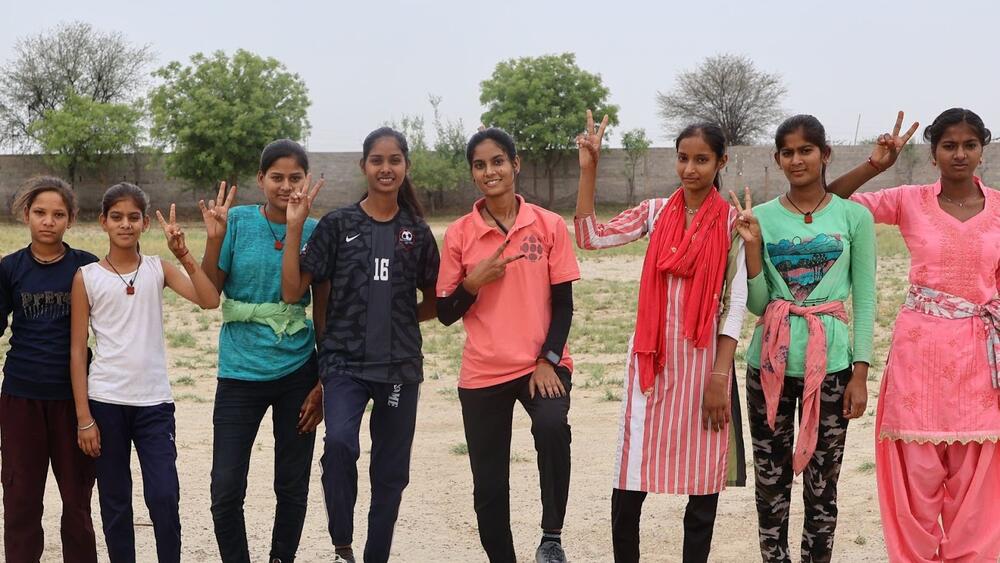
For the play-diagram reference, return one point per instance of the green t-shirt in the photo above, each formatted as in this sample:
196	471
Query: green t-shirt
247	350
826	260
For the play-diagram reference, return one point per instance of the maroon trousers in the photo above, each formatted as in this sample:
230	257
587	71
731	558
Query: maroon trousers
33	432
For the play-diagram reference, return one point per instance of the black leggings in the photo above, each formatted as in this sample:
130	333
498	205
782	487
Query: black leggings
699	523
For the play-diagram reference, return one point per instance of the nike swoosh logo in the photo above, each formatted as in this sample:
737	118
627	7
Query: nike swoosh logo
349	239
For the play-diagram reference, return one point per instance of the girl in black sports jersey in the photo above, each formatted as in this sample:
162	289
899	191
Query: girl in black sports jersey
375	254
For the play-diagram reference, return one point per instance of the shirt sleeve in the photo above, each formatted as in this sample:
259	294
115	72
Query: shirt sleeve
884	205
863	287
451	273
733	315
431	262
320	254
226	250
563	266
630	225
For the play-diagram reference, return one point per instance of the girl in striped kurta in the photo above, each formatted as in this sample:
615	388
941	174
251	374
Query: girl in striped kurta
677	410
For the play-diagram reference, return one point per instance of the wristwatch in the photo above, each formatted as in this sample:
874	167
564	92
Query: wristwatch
551	357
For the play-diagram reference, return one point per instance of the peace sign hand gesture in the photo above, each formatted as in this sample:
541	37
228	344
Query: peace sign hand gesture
216	212
589	142
746	223
300	201
175	236
887	146
489	270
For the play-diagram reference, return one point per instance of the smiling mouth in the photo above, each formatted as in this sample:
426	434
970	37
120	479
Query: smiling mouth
492	183
386	180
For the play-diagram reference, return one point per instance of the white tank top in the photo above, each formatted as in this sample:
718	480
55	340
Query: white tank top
130	361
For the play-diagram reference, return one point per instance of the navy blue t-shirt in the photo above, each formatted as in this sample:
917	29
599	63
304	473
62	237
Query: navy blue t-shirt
375	269
38	295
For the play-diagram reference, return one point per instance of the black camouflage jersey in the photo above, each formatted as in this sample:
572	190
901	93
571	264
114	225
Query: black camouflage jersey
375	269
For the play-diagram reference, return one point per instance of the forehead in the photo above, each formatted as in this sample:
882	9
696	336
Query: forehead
796	140
488	149
695	144
960	132
385	146
285	165
125	205
48	199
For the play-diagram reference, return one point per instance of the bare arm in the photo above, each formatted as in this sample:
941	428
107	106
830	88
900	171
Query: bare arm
294	282
89	440
589	145
883	156
427	308
194	285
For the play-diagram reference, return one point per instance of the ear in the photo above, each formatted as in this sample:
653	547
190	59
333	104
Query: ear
145	223
777	159
827	155
517	165
260	179
722	163
103	220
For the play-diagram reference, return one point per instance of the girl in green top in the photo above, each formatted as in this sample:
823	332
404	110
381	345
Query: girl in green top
812	251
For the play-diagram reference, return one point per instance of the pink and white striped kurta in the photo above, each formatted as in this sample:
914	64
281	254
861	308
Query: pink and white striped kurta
662	447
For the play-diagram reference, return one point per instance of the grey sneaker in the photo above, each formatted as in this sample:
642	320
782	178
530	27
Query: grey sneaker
340	559
550	552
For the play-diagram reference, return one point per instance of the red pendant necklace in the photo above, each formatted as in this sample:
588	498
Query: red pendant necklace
130	284
279	243
807	216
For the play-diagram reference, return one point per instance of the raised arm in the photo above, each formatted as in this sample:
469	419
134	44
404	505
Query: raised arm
883	156
216	214
195	286
294	282
589	145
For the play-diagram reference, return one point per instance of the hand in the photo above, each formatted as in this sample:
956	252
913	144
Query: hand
175	236
489	270
746	223
311	413
589	142
887	146
545	381
300	201
715	406
217	211
89	441
856	392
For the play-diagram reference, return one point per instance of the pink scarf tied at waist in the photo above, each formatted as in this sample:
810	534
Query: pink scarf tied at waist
774	357
946	306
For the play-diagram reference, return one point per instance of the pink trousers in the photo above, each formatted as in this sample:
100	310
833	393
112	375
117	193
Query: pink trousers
939	502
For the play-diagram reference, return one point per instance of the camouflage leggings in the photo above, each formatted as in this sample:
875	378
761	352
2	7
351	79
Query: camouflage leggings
772	454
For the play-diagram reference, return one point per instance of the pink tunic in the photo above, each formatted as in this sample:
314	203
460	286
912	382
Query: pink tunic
662	447
937	384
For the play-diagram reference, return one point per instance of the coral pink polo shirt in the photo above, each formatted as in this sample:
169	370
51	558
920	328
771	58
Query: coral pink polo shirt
507	325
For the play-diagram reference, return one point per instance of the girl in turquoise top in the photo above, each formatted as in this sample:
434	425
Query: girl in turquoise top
267	356
813	251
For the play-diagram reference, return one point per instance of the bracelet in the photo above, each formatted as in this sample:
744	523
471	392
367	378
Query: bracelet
722	373
873	165
93	422
186	252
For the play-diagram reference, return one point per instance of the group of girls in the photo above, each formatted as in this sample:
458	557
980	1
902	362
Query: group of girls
506	270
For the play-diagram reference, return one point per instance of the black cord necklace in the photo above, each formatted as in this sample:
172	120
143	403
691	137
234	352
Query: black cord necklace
130	284
497	221
49	261
279	243
807	216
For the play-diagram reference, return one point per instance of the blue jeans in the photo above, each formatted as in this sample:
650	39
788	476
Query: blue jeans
239	408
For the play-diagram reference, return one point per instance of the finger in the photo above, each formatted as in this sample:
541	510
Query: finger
304	191
747	198
736	201
898	125
909	132
219	197
561	387
231	197
512	259
173	214
315	190
202	206
500	249
604	125
847	406
590	122
163	224
531	388
706	420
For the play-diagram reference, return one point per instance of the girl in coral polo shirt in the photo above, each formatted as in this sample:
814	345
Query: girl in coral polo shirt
507	270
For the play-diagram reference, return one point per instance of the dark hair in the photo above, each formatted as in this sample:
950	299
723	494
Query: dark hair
714	137
121	191
813	132
407	196
39	185
954	116
495	134
280	149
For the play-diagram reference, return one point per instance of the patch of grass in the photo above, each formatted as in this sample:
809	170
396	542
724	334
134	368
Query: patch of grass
190	398
866	467
184	380
460	448
611	396
449	393
860	540
518	458
178	339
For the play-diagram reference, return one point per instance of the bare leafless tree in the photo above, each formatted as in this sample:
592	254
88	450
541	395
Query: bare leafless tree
72	58
725	89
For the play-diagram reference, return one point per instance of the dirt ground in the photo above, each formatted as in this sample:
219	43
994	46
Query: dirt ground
436	521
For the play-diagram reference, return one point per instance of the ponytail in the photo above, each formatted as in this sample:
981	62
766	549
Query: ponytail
407	198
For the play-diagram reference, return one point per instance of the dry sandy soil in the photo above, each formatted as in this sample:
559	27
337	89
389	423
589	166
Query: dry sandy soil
437	522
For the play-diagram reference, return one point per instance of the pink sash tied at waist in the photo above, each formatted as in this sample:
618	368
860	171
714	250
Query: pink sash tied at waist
774	357
946	306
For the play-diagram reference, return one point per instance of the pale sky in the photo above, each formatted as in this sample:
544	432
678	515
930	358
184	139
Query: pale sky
368	62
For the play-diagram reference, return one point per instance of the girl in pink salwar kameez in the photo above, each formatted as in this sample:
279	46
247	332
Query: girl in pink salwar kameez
938	420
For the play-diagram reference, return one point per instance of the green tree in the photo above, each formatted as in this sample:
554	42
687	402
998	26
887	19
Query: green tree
72	59
541	101
212	115
636	145
84	134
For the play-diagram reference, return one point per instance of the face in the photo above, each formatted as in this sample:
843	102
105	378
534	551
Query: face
277	183
492	170
47	218
800	160
697	163
386	166
124	223
958	153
